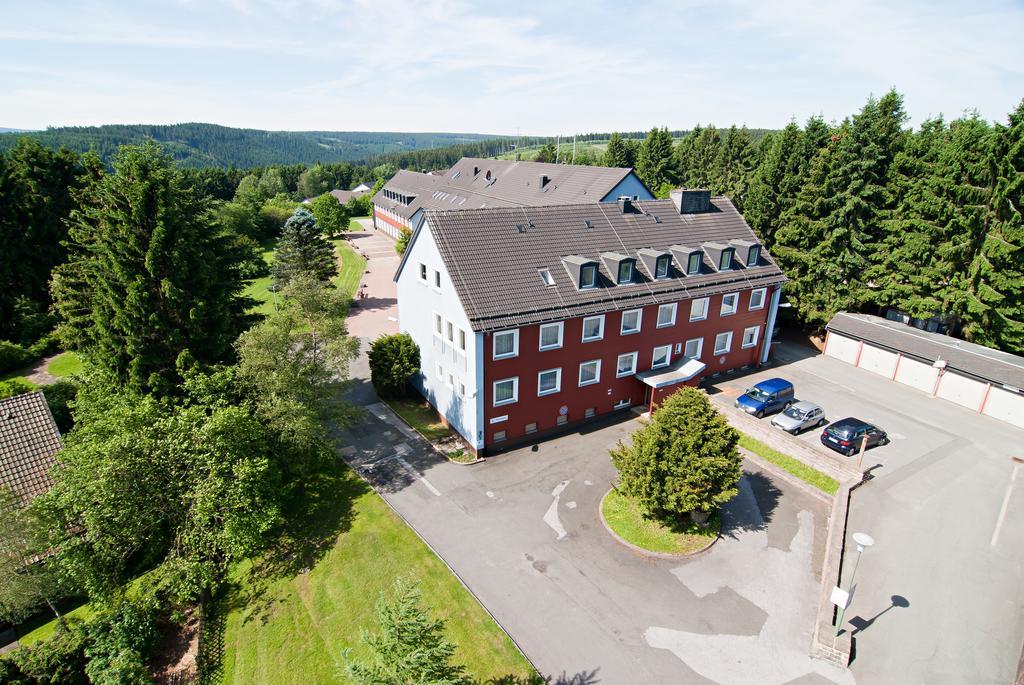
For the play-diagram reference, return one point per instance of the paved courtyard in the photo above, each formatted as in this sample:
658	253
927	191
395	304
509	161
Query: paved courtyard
940	597
522	531
377	313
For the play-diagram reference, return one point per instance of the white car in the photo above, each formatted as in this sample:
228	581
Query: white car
800	416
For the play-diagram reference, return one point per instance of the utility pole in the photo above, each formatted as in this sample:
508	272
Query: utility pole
558	146
573	148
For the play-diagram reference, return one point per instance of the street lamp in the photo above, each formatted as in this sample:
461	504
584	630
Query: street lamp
863	541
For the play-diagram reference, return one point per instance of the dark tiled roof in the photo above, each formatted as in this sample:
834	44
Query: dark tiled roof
993	366
493	257
511	184
29	442
346	195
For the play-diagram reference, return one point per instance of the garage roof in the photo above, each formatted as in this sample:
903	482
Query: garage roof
985	363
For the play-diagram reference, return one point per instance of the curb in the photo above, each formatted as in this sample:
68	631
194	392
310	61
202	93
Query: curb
398	416
646	552
784	475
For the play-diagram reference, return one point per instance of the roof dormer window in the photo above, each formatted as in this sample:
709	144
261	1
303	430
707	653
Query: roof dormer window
693	264
754	255
661	266
725	262
588	276
625	272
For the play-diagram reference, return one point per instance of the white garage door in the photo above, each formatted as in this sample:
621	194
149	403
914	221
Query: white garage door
877	360
1005	405
842	348
961	390
917	375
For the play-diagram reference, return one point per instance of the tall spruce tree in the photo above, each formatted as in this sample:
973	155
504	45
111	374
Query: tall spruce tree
734	164
150	278
694	157
303	248
654	164
617	153
995	305
831	237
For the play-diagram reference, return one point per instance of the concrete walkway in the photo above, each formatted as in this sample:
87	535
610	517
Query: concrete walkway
377	313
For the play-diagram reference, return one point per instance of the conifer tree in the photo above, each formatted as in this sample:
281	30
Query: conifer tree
995	304
303	248
694	157
734	163
149	276
654	164
617	153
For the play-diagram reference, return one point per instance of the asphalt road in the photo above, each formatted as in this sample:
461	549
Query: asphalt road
936	601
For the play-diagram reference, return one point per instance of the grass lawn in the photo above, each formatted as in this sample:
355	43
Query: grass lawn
350	267
288	620
421	416
629	521
808	474
354	225
65	364
42	627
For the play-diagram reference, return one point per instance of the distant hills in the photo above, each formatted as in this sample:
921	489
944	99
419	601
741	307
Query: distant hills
205	145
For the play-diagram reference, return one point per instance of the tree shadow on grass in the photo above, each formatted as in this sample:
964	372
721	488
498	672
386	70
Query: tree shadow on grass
751	513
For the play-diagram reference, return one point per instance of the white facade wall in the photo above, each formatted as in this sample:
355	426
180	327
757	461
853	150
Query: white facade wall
918	375
961	390
1005	405
448	376
877	360
842	348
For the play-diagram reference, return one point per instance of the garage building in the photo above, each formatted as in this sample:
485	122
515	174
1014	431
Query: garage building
980	378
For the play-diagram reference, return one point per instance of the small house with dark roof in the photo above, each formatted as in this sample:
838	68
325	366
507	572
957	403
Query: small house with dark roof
29	443
475	183
533	319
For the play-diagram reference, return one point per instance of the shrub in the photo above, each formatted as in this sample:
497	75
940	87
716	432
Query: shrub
120	640
45	346
15	386
684	460
403	241
393	359
13	356
58	395
58	661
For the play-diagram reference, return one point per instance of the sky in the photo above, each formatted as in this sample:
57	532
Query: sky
540	68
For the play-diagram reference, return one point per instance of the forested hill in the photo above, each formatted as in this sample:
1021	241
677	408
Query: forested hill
205	145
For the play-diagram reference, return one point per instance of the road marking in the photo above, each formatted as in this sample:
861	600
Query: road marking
570	505
489	494
551	516
419	476
1006	500
587	482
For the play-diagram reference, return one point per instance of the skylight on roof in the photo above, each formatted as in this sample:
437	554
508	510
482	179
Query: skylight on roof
456	175
545	276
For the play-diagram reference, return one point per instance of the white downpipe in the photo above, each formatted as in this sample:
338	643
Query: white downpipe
770	329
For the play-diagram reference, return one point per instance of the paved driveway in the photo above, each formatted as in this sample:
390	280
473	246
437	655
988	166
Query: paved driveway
936	602
522	531
377	313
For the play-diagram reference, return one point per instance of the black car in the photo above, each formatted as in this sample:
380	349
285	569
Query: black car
846	435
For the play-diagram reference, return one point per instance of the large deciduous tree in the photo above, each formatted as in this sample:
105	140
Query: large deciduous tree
332	217
27	578
149	276
303	249
684	460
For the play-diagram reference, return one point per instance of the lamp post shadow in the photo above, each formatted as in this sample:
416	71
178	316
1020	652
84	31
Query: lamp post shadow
861	624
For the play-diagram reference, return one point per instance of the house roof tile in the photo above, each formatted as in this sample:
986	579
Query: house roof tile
29	442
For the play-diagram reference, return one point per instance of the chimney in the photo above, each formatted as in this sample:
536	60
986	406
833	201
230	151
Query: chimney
476	170
625	204
544	180
691	200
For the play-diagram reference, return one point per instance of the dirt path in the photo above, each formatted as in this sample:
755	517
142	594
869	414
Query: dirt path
39	375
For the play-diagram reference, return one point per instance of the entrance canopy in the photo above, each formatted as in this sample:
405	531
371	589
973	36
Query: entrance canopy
683	370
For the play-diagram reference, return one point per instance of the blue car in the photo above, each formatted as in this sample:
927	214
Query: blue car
767	397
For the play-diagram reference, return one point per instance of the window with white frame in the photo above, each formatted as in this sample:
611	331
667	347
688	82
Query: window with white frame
666	315
551	336
451	381
588	276
506	391
693	264
450	330
693	348
625	272
661	266
699	309
423	272
750	336
593	328
723	342
729	303
462	340
437	279
757	298
626	365
440	372
506	344
631	321
549	382
438	324
662	356
590	372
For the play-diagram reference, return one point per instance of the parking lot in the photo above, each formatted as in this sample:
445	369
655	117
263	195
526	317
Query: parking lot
939	596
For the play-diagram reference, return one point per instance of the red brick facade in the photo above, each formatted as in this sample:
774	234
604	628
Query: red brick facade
601	397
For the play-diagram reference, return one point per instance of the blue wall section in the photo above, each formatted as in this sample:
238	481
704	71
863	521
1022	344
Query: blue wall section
630	186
